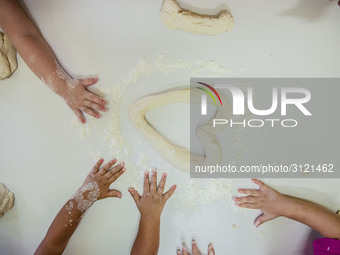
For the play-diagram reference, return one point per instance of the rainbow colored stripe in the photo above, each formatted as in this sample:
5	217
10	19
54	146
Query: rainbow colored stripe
209	93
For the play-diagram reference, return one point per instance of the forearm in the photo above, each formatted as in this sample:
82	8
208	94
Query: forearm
31	46
317	217
147	240
61	229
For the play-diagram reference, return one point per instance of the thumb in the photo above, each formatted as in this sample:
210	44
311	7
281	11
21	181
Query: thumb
262	219
113	193
211	250
135	195
89	81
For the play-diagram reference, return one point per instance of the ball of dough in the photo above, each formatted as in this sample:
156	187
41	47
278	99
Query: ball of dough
8	60
6	199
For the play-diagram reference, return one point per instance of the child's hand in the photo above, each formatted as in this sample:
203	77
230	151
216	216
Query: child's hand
266	199
80	100
97	184
195	250
152	202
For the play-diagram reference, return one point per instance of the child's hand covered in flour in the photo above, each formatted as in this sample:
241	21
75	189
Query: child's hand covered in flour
96	186
80	99
97	183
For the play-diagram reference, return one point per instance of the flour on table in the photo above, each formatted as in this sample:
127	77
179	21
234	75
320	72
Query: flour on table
6	199
174	17
114	136
8	59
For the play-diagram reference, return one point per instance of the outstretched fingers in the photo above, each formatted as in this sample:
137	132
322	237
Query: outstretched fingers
88	81
146	185
250	192
161	185
184	251
246	200
169	193
211	250
96	167
195	250
89	111
153	185
261	219
261	184
114	193
80	115
107	166
114	170
116	174
135	195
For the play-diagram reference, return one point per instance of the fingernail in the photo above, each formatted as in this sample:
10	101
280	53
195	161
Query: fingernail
113	160
183	249
174	186
97	116
103	101
83	121
178	252
164	174
146	172
101	160
119	195
122	164
129	189
257	223
104	109
210	247
124	169
193	241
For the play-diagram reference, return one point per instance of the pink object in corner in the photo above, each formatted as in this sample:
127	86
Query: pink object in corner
326	246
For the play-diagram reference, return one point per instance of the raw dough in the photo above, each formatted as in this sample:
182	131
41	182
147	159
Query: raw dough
174	17
6	199
176	155
8	60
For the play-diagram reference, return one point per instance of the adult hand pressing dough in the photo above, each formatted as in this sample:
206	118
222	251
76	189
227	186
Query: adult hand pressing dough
6	199
174	17
8	60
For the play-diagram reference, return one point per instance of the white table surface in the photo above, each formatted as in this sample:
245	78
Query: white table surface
43	160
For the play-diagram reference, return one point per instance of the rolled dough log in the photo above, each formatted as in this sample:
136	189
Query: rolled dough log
177	156
174	17
6	199
8	60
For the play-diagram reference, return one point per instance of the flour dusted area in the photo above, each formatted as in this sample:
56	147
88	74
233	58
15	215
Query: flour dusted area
114	135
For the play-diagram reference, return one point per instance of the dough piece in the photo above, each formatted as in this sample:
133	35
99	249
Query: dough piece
8	60
6	199
174	17
177	156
